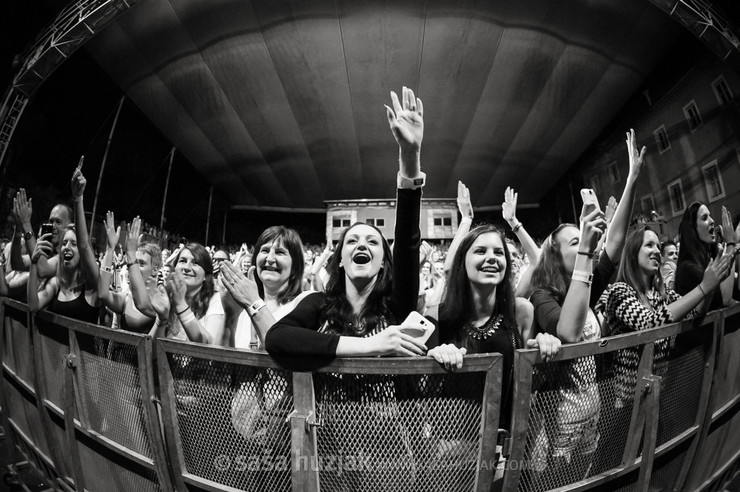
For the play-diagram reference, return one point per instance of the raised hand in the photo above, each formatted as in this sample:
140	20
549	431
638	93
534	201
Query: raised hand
508	208
406	120
242	288
463	201
112	232
636	158
593	226
717	270
22	210
43	248
425	251
132	240
78	184
177	289
728	233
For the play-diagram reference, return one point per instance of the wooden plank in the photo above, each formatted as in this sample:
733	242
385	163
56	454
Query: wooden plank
490	417
639	402
651	384
303	422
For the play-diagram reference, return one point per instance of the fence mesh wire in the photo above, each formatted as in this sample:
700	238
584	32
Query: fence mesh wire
578	425
410	432
111	392
233	422
54	347
17	354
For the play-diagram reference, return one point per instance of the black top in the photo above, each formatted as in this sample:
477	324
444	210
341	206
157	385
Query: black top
77	308
294	341
690	274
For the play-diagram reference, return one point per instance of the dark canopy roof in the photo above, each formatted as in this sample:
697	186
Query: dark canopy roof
280	103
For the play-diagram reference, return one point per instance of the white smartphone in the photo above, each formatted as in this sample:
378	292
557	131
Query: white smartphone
421	328
590	200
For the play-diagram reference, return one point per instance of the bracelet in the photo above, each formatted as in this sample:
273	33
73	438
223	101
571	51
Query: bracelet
729	243
254	308
187	318
106	269
129	265
702	291
516	227
582	276
410	183
180	312
586	253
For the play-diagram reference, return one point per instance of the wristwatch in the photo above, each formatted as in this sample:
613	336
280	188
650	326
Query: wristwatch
411	184
27	235
255	307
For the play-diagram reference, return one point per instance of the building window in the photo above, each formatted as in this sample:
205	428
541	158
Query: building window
437	221
595	184
661	138
722	90
346	222
614	172
447	221
713	181
336	223
693	118
675	192
648	203
379	222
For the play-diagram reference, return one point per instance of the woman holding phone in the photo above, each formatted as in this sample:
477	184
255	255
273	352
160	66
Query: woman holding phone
370	291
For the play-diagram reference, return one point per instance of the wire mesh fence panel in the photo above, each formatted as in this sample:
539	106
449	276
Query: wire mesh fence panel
233	422
111	392
24	413
579	420
106	471
667	468
54	348
682	375
400	432
17	353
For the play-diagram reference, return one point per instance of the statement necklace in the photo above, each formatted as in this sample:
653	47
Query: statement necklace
485	331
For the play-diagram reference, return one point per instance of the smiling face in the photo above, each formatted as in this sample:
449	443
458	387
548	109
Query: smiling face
70	255
670	253
145	265
192	273
568	239
705	225
485	261
648	257
362	252
274	265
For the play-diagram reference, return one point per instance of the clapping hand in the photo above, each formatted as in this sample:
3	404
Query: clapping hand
242	288
111	232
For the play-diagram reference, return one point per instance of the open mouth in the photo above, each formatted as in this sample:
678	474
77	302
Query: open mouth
361	258
67	255
270	268
490	269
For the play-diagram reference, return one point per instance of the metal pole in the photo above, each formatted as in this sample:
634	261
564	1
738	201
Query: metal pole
208	219
102	167
166	187
223	233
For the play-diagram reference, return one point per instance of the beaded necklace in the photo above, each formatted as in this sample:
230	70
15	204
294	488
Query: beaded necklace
486	330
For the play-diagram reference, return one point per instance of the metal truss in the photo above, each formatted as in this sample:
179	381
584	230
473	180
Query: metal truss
72	28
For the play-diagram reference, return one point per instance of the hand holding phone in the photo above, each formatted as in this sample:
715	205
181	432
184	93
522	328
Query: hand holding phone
46	229
417	326
590	200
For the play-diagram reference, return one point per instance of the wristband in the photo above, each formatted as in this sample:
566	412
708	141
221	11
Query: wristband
106	269
254	308
730	243
703	293
582	276
180	312
586	253
187	318
516	227
411	184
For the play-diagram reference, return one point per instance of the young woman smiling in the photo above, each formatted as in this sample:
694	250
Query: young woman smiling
638	300
190	308
370	291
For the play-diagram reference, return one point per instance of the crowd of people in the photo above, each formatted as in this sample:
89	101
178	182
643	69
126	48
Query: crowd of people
487	291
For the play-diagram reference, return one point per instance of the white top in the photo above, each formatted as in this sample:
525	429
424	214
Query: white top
245	329
213	321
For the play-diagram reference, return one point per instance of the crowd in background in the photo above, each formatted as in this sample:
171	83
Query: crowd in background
489	290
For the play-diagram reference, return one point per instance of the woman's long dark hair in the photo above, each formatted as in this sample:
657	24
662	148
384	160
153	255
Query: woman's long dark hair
457	301
692	248
549	273
199	302
290	239
629	268
338	312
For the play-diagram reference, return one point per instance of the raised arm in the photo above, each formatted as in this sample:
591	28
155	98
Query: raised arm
508	211
407	125
38	300
728	234
465	207
576	303
620	222
139	292
113	300
87	256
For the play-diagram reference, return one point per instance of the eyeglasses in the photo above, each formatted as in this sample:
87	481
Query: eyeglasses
220	259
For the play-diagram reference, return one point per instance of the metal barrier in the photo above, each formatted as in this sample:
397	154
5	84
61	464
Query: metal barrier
81	403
